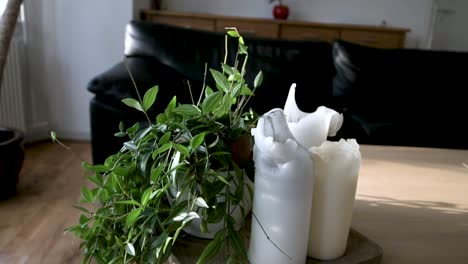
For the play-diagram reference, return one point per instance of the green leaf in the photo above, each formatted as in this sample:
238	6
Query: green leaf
162	149
143	161
53	136
246	90
130	249
176	234
225	105
95	168
81	209
233	33
165	138
168	240
96	178
155	173
74	229
223	179
132	217
172	104
150	97
83	220
204	226
87	194
258	79
190	217
242	49
213	248
121	127
180	217
133	103
208	91
241	40
236	90
227	69
182	149
235	77
201	202
146	196
162	118
211	102
120	134
129	202
187	110
130	146
221	80
238	244
197	140
133	129
156	194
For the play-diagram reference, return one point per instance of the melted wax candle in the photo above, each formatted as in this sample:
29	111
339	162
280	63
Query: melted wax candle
311	129
282	196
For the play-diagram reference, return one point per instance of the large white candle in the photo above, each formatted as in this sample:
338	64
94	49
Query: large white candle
311	129
336	174
282	196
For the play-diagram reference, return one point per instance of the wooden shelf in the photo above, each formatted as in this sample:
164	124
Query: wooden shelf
374	36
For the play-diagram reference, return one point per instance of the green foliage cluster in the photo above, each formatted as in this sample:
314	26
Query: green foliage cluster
132	214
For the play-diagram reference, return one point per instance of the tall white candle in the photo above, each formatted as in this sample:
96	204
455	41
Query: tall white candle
336	174
282	196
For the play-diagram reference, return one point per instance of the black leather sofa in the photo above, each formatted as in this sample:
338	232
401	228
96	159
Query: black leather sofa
388	97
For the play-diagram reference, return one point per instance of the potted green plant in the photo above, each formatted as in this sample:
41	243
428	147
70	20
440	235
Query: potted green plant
188	166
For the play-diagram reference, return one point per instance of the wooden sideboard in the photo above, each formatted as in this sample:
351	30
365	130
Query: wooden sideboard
374	36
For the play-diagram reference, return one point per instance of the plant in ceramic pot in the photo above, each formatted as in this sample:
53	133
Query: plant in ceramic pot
185	172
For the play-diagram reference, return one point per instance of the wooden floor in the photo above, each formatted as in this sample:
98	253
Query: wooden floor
32	223
411	201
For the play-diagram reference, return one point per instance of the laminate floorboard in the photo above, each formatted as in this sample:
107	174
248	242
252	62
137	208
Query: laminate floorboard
32	222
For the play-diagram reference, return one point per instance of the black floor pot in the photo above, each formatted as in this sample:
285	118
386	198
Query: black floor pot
11	160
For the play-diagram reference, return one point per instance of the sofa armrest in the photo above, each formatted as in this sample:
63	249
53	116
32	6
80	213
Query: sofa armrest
116	84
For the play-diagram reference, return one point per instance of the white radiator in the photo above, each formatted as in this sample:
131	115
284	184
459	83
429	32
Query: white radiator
12	97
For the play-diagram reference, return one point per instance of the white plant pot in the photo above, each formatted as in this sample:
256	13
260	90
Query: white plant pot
193	228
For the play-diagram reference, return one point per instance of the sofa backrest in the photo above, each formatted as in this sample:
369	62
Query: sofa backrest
309	64
422	94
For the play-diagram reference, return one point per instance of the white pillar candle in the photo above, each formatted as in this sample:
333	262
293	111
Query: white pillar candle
336	174
311	129
282	195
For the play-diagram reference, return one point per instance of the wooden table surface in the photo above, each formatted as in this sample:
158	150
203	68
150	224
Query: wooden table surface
413	202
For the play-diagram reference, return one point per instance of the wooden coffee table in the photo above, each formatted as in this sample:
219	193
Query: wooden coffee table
359	250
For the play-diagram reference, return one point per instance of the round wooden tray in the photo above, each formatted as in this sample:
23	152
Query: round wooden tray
359	249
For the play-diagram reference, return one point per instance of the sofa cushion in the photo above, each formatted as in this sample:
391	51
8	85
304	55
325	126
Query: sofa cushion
184	50
421	93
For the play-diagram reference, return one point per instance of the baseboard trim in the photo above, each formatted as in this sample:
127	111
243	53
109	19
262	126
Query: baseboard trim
41	131
74	135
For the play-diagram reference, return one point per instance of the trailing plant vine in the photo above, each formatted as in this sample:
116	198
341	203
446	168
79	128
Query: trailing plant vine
143	197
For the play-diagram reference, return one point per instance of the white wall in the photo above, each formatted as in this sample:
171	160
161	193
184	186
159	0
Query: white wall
412	14
68	43
450	30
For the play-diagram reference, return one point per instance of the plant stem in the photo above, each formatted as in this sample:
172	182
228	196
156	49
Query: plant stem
190	91
204	84
136	89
